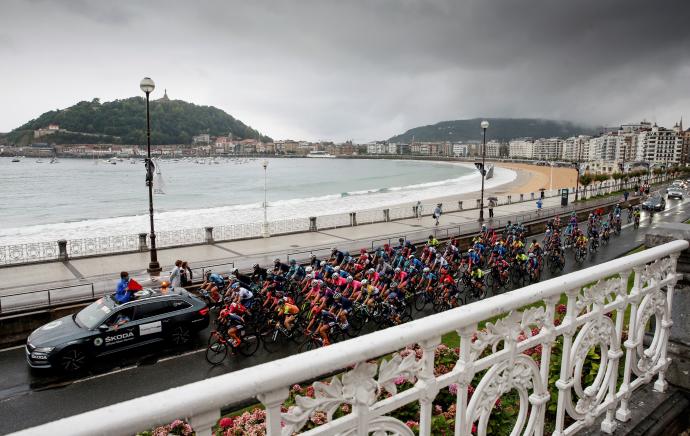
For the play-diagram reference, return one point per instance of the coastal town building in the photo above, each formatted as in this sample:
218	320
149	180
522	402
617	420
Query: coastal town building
660	146
548	149
576	148
522	148
203	138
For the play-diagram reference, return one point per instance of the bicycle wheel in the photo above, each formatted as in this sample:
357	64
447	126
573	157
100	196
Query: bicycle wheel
272	339
310	344
217	350
250	343
420	300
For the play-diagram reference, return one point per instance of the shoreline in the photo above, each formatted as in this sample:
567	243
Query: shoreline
526	179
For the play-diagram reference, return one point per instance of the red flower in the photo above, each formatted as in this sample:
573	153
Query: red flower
225	422
561	308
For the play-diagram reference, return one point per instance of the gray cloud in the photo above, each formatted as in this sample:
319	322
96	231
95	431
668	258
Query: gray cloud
361	69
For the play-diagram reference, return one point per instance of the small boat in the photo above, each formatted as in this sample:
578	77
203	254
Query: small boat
17	159
319	154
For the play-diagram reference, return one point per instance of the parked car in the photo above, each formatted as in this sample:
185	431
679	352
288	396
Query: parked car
107	327
655	203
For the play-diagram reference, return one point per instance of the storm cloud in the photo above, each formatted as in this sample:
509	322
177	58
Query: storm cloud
362	70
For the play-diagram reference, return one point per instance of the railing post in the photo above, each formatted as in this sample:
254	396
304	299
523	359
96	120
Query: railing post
466	365
415	211
273	401
312	223
353	219
204	422
62	250
143	245
386	215
510	199
460	205
209	235
427	382
660	384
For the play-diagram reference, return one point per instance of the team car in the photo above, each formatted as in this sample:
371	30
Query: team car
106	327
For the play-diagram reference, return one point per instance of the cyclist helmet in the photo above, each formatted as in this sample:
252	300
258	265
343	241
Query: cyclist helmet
349	279
276	260
335	275
232	277
365	282
233	305
426	270
256	266
531	255
337	268
235	286
281	301
397	270
309	276
497	243
394	285
411	256
337	296
309	269
314	283
293	261
371	271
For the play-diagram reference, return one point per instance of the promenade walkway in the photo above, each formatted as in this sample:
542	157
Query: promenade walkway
68	279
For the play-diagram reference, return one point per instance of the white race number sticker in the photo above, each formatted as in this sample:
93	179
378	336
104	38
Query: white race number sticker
150	328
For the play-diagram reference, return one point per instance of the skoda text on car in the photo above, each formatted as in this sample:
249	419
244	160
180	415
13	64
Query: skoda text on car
106	327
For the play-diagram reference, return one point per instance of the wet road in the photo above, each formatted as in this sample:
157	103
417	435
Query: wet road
29	398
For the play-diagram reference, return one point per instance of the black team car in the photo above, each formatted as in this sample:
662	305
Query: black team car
106	327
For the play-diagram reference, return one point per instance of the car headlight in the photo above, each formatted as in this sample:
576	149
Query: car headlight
43	349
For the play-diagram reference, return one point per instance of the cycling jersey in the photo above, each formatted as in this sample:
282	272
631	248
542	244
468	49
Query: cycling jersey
217	280
289	309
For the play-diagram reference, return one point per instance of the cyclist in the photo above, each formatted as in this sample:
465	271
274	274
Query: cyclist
231	317
213	285
477	278
288	312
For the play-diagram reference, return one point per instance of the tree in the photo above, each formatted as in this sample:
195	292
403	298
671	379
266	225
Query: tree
601	178
585	181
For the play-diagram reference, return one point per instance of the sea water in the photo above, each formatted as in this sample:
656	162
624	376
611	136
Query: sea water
78	198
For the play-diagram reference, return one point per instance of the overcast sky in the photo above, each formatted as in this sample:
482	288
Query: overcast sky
359	70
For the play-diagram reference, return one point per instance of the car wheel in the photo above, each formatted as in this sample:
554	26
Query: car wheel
72	360
180	335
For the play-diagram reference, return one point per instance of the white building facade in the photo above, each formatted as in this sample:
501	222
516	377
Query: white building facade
521	148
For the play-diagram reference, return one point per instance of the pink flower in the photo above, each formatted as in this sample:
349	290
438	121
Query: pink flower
438	409
319	417
474	428
412	424
310	391
561	308
225	422
498	402
296	388
556	322
176	423
535	331
399	380
453	388
346	408
470	390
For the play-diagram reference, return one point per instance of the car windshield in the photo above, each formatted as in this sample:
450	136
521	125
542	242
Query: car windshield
93	315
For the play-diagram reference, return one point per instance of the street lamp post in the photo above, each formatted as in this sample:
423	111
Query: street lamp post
577	176
148	86
264	227
485	125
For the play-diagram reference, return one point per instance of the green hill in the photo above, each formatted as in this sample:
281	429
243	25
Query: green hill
499	128
124	121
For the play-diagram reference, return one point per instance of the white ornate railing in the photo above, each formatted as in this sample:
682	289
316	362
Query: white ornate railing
583	330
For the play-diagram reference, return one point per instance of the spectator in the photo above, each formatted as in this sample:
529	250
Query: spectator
492	204
539	205
186	275
176	275
437	213
419	209
625	195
